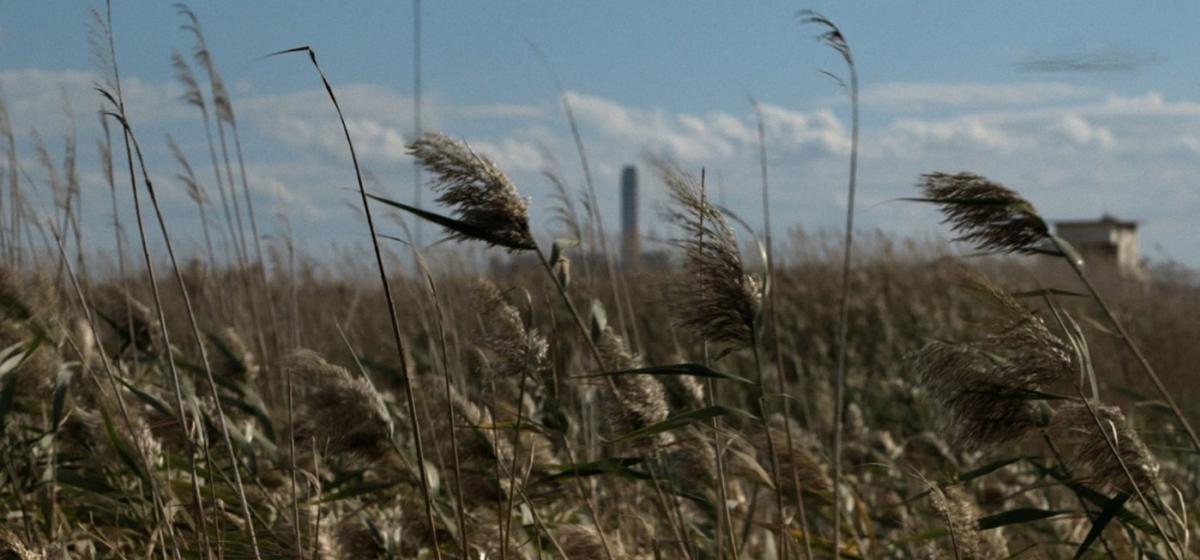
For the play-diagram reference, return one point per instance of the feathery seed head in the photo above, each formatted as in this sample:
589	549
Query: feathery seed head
1092	457
985	213
716	298
191	87
832	36
635	401
343	412
804	459
982	409
962	519
233	358
519	349
582	542
482	196
986	385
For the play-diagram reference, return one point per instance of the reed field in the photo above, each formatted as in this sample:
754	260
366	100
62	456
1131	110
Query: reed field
519	392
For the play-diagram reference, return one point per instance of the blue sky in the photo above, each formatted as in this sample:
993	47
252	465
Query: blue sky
1084	107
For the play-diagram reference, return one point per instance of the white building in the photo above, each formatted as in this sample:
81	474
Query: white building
1107	242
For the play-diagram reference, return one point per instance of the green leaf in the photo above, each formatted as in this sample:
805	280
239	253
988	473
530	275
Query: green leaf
14	308
11	357
683	419
122	450
457	226
6	399
1068	251
993	201
93	484
689	369
616	466
60	397
1043	292
599	319
982	471
252	404
923	536
1124	514
1106	515
1018	515
147	398
354	490
560	247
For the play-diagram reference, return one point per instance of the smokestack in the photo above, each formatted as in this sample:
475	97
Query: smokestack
630	249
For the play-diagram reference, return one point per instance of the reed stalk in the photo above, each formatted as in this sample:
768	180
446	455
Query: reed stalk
388	297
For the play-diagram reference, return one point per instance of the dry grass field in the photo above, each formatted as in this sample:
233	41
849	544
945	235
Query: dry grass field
760	397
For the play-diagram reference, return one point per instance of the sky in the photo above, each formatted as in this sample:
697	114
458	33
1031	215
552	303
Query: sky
1082	107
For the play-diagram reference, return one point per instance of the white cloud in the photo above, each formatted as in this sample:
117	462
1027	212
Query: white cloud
819	132
902	96
1078	130
496	111
1074	152
907	138
511	155
715	136
39	99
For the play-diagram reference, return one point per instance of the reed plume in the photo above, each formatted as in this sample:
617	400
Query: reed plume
800	464
344	413
233	358
1092	459
519	349
636	401
716	298
961	517
582	542
987	385
985	213
484	200
195	191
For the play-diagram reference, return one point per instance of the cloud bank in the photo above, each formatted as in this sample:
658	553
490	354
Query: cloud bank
1074	151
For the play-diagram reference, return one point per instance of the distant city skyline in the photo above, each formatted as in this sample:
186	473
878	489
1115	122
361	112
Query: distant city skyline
1084	108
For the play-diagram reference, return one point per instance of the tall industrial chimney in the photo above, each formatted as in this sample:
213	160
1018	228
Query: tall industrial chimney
630	249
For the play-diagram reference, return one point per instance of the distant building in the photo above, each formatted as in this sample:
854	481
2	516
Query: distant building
1107	242
630	241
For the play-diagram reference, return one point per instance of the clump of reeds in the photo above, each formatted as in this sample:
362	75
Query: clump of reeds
716	298
343	413
484	200
988	385
1092	460
996	218
985	213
